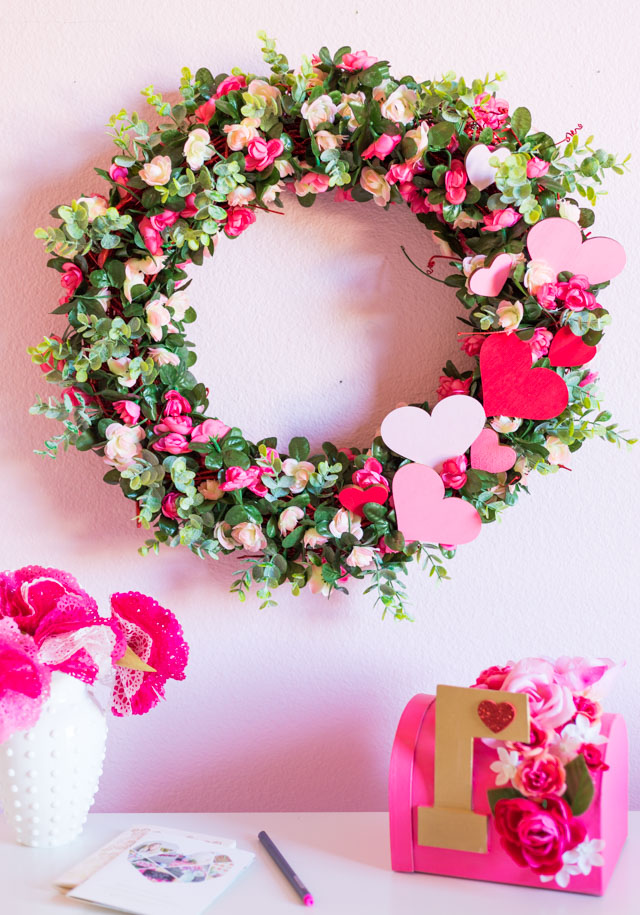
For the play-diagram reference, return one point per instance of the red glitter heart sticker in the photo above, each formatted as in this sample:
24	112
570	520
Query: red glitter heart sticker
496	715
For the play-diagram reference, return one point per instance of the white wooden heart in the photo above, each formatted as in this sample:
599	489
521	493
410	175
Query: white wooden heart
452	427
476	163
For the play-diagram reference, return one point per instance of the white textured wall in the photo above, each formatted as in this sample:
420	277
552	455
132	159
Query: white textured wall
316	324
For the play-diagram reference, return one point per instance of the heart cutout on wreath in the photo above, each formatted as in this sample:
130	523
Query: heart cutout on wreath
342	124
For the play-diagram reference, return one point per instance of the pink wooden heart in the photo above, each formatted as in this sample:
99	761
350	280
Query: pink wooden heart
488	454
453	425
423	513
490	280
354	498
559	242
569	349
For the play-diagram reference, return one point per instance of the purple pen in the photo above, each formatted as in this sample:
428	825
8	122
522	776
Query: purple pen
286	869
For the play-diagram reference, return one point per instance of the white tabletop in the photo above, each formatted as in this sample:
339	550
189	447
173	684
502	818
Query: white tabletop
342	857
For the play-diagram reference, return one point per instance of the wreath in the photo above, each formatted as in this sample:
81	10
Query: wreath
502	202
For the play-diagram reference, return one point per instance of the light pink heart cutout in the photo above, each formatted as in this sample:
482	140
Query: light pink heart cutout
453	425
490	280
488	454
423	513
477	167
559	242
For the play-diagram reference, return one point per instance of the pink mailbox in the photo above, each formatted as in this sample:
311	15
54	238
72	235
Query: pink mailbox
440	814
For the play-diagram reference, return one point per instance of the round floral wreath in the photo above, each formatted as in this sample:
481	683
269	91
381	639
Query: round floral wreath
229	148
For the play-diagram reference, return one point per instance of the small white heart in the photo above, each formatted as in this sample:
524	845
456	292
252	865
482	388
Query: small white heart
476	164
451	428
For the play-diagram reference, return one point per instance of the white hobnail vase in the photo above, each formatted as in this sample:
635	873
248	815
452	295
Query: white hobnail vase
49	774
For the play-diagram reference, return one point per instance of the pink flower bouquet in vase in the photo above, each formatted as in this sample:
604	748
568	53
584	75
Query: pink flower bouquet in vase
55	647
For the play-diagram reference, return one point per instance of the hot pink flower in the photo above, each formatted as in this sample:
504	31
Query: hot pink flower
176	404
540	776
539	740
210	428
24	681
74	394
453	472
546	296
551	703
454	181
206	111
492	677
181	424
382	147
358	60
589	378
449	386
343	195
500	219
69	280
238	220
536	167
238	478
230	84
128	411
575	294
29	593
118	173
540	342
174	443
262	153
164	220
151	237
593	757
472	344
169	507
400	171
537	837
190	209
156	637
370	474
489	111
587	707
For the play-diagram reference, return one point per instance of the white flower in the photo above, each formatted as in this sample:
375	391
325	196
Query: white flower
284	167
288	520
327	140
157	172
344	521
137	269
558	451
316	583
300	471
320	110
312	538
120	368
157	318
220	531
269	195
505	767
473	263
95	206
179	303
505	424
344	108
537	274
249	536
375	184
123	445
238	135
198	148
400	106
569	210
264	90
464	221
578	860
361	557
210	490
162	356
420	136
240	195
509	314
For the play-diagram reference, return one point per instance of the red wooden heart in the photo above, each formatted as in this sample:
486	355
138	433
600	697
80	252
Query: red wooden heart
510	387
496	715
354	498
568	348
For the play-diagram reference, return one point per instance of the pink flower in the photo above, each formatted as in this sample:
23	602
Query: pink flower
70	280
238	220
262	153
370	474
536	167
539	776
400	171
206	111
150	236
24	681
593	757
489	111
454	181
472	345
500	219
537	837
230	84
176	404
29	593
587	707
546	296
118	173
575	294
169	506
539	740
453	472
343	194
492	677
591	676
382	147
155	636
190	210
449	386
74	394
311	183
358	60
210	428
174	443
551	703
589	378
540	342
163	220
181	424
128	411
238	478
